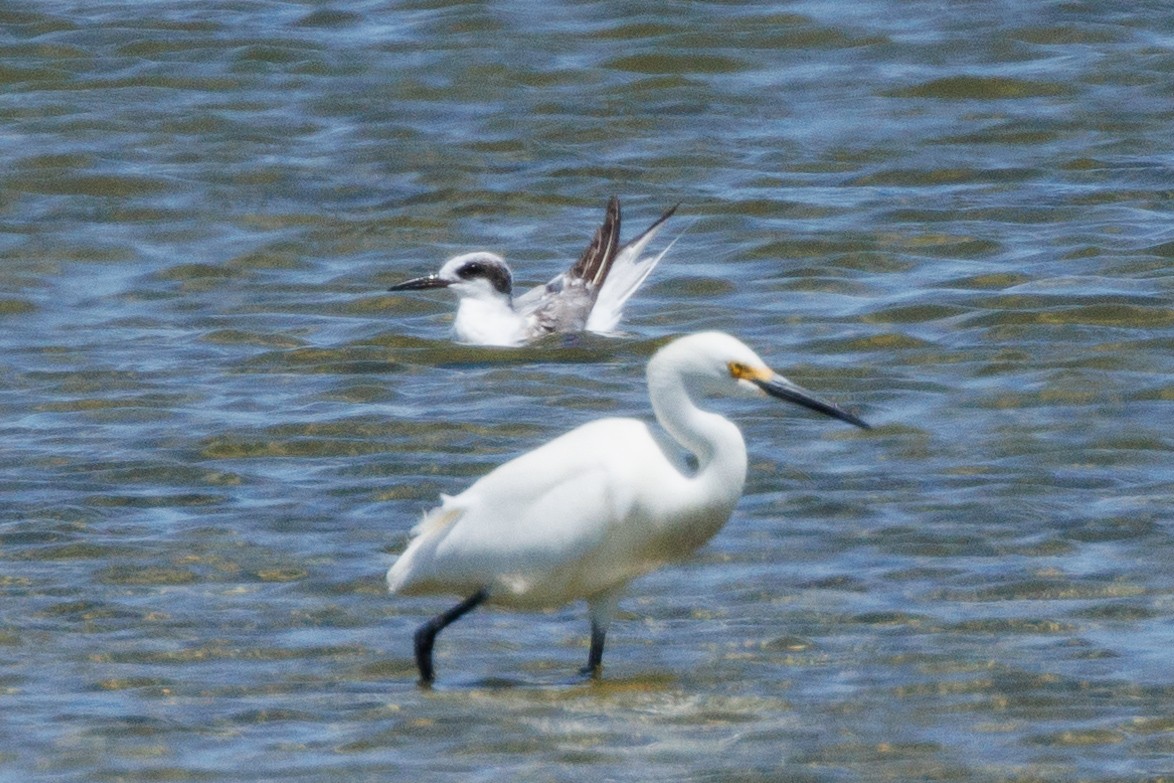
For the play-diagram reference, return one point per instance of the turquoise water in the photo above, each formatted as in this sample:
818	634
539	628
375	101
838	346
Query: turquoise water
953	218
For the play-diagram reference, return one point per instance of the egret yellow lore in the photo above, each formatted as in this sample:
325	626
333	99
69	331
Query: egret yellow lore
583	515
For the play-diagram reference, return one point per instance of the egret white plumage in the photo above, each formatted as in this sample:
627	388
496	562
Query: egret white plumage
590	296
584	514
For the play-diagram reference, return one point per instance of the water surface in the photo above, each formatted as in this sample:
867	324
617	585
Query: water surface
954	218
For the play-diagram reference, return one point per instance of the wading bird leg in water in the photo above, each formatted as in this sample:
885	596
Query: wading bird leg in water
426	635
601	608
595	656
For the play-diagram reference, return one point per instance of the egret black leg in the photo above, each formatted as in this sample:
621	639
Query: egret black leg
595	657
426	634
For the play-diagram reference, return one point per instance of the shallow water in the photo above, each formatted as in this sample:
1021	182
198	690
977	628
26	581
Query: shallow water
954	218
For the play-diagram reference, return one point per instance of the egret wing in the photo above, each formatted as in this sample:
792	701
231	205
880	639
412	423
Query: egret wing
535	528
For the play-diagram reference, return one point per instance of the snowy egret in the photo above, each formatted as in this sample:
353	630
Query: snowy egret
584	514
589	296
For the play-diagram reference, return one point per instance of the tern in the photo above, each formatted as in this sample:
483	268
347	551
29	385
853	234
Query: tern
586	513
589	296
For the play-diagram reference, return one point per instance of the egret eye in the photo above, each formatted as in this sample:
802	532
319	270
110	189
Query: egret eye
744	372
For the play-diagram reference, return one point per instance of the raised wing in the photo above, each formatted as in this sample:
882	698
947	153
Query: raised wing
593	266
628	271
591	294
564	304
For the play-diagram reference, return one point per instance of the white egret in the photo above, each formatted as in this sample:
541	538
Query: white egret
583	515
589	296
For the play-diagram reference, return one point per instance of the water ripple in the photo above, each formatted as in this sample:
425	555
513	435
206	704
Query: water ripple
220	426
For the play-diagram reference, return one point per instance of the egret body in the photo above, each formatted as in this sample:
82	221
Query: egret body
582	515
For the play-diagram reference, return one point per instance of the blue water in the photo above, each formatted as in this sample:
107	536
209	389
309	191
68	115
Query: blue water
953	218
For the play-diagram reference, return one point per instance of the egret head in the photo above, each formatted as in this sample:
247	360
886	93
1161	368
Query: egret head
716	363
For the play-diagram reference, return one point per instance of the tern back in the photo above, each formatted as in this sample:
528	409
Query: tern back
591	294
565	303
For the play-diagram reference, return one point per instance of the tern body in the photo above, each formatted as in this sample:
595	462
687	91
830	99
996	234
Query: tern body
590	296
584	514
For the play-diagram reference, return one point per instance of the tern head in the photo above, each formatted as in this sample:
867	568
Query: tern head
478	275
713	363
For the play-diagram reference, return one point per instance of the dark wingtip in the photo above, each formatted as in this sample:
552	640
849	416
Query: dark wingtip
593	266
668	213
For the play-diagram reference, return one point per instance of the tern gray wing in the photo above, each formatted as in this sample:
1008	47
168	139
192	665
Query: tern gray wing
564	304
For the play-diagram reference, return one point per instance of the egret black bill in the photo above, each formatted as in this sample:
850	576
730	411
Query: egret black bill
778	386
